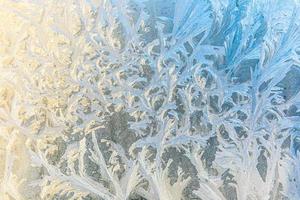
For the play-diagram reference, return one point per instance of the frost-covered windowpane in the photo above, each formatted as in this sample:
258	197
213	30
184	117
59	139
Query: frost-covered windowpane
149	100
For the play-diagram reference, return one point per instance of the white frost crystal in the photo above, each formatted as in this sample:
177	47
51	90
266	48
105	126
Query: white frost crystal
149	99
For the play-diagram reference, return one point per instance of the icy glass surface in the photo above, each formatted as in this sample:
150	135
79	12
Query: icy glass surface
149	100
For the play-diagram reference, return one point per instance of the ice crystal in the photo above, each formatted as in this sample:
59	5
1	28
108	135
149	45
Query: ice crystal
149	99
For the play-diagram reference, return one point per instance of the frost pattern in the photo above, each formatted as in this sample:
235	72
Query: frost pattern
149	100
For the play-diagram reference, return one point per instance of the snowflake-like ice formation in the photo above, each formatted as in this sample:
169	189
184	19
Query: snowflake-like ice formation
149	99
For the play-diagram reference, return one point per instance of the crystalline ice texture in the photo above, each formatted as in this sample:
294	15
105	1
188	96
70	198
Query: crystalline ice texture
149	100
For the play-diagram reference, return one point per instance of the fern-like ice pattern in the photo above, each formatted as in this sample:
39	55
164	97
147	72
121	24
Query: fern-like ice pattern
149	99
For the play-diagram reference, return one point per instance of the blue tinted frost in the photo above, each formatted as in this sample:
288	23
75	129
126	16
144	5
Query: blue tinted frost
150	100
